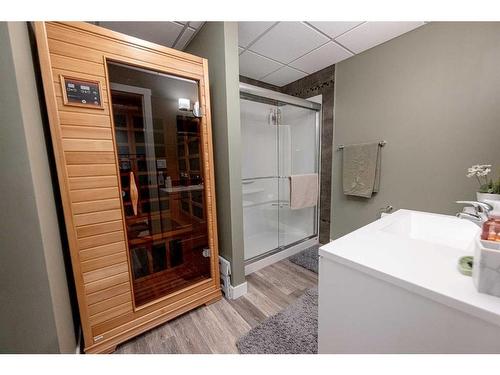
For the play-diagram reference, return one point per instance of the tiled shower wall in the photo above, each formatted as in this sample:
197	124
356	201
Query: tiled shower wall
319	83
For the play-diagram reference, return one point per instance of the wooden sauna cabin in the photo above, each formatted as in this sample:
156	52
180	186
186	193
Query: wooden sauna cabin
131	133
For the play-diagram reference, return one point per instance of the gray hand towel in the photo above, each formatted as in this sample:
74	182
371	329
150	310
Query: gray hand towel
361	169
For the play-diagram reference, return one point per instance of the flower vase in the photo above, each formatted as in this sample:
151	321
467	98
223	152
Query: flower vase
484	197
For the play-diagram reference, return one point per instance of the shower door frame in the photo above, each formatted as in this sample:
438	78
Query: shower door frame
259	261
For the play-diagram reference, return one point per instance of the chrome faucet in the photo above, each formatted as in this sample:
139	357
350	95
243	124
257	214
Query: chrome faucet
479	214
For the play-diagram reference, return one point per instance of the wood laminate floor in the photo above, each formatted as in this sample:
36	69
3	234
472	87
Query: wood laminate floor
217	327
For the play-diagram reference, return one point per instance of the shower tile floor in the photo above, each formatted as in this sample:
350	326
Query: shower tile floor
216	328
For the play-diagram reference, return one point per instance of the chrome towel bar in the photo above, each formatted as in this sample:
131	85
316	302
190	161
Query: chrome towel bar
381	144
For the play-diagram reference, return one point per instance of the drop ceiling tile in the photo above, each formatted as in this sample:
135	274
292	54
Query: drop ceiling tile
283	76
249	31
334	29
255	66
328	54
287	41
196	24
184	39
164	33
371	34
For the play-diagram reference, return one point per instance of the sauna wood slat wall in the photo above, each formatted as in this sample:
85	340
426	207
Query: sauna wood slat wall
107	293
85	132
85	119
78	65
98	157
95	206
110	302
103	261
95	44
93	170
62	107
72	144
101	182
90	242
88	175
83	194
87	141
97	217
96	250
93	230
103	284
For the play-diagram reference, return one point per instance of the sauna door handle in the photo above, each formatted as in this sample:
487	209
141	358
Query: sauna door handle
134	193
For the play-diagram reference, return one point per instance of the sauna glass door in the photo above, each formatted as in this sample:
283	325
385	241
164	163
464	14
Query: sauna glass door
159	147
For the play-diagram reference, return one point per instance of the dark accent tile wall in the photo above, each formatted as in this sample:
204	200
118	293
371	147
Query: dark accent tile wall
319	83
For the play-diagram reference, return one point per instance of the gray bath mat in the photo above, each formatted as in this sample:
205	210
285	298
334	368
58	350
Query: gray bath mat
292	331
308	258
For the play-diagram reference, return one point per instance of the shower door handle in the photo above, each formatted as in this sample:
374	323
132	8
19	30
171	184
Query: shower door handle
281	205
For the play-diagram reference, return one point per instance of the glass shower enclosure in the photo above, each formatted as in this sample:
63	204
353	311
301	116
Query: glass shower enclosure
280	138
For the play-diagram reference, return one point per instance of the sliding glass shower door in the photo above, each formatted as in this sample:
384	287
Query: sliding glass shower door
260	177
298	154
279	139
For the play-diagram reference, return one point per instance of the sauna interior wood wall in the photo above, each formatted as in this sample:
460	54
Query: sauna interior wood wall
88	173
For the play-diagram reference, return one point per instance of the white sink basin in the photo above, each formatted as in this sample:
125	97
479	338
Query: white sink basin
437	229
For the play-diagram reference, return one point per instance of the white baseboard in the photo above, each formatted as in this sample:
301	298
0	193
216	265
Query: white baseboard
257	265
237	291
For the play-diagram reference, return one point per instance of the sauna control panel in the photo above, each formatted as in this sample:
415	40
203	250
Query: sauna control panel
81	92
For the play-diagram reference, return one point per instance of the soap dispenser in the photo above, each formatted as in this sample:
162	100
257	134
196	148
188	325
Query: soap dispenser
491	228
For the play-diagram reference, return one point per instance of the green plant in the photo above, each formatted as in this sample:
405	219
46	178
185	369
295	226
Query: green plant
491	187
486	185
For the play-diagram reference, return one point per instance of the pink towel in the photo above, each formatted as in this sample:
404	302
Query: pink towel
303	190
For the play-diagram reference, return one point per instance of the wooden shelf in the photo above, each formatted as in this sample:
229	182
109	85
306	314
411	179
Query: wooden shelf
160	236
178	189
147	200
151	215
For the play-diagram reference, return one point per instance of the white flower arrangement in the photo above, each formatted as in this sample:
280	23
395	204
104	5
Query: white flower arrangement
481	172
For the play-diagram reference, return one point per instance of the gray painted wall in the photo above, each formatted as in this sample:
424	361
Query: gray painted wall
35	311
218	42
434	95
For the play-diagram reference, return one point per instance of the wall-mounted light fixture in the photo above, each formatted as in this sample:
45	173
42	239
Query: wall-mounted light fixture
197	110
184	104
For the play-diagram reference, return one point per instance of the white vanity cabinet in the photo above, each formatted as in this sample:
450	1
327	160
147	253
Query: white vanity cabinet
393	287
